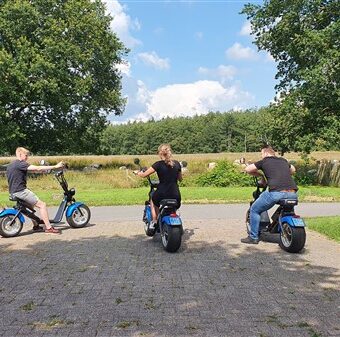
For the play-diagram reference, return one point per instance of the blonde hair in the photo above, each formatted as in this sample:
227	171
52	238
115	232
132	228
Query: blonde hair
21	150
164	150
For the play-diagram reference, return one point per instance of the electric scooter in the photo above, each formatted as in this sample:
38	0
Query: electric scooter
77	213
169	224
289	226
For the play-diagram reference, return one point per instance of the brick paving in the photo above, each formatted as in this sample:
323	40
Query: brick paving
109	279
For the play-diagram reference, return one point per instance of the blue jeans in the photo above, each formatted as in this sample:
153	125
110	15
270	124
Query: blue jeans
265	201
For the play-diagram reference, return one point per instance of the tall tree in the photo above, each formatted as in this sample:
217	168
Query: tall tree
58	74
303	36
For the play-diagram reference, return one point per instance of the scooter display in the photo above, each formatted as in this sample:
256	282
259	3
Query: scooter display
169	223
77	213
284	221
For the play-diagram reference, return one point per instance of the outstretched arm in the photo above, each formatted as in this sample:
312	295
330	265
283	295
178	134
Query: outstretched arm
146	173
252	170
45	168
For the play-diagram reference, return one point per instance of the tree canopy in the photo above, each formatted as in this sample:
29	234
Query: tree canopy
303	36
58	74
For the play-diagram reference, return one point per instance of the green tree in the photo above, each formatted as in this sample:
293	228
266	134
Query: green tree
303	36
58	74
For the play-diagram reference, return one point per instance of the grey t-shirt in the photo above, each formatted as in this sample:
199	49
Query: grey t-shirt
17	175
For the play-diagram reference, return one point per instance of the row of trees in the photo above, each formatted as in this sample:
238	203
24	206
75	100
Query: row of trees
59	80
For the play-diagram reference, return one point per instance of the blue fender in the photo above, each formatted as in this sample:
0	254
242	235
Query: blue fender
293	221
172	220
72	207
12	211
148	213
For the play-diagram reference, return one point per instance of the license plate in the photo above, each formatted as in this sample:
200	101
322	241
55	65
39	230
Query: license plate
298	222
175	221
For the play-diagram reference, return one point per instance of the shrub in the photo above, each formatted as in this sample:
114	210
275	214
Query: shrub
223	175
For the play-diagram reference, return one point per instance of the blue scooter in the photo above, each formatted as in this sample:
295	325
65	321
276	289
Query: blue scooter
169	223
77	213
289	226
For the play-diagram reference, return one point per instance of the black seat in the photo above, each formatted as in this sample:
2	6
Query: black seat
12	198
287	202
168	203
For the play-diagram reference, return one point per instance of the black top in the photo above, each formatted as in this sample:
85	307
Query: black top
168	176
17	175
277	173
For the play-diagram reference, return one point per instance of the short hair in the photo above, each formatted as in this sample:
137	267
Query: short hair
22	150
268	149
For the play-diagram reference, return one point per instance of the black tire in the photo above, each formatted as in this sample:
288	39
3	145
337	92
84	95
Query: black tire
292	239
171	238
80	217
148	231
8	230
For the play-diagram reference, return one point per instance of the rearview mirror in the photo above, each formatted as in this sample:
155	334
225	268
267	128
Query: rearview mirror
42	162
136	161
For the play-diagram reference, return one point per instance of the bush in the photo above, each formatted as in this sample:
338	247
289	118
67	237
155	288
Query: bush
305	172
223	175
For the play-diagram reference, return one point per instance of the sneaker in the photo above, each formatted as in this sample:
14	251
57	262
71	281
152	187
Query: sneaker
38	228
152	225
250	240
52	230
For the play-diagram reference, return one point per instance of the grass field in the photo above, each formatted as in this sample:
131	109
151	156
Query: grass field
329	226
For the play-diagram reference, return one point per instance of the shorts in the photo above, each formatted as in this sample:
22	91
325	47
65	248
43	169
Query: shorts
27	196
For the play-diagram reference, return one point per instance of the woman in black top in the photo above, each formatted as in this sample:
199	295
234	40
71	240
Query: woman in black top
169	172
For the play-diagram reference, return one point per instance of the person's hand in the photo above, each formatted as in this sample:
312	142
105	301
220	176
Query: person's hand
135	172
60	165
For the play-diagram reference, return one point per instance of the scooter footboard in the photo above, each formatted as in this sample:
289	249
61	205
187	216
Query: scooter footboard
293	221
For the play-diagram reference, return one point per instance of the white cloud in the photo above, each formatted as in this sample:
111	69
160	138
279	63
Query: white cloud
222	72
246	29
192	99
152	59
124	68
122	23
237	51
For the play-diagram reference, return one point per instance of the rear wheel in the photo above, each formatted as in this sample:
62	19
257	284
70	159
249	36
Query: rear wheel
79	217
292	239
10	227
171	238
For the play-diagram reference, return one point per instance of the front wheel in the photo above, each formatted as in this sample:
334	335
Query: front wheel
79	217
248	221
292	239
149	231
171	238
10	227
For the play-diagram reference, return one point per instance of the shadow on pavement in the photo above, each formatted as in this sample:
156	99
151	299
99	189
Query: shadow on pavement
129	286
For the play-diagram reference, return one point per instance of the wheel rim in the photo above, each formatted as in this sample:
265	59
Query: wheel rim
165	236
146	226
80	218
11	229
286	235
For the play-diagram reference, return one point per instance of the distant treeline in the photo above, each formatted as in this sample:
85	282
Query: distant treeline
211	133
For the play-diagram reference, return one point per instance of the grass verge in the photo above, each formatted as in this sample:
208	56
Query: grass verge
328	226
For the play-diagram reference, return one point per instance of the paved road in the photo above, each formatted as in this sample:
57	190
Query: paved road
198	212
109	279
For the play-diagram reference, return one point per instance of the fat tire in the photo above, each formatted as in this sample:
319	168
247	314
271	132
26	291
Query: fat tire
70	220
3	231
148	231
248	221
298	240
174	238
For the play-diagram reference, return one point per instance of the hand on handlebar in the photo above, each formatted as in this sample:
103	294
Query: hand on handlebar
60	165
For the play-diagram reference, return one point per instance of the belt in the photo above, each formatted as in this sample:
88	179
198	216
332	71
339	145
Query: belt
288	191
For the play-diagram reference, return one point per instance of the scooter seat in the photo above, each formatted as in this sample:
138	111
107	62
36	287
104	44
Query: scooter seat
12	198
168	203
288	202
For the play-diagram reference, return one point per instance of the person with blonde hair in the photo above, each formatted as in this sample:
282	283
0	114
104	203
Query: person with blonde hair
17	184
169	173
277	173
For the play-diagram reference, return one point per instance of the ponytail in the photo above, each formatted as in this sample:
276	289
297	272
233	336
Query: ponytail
164	150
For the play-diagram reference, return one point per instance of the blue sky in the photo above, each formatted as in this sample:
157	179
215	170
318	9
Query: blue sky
189	57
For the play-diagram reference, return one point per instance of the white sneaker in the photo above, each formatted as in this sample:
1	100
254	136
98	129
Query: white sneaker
152	225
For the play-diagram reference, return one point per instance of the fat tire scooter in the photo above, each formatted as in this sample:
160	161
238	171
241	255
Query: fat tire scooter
77	213
289	226
169	223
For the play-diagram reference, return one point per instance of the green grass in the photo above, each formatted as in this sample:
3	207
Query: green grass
101	195
329	226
